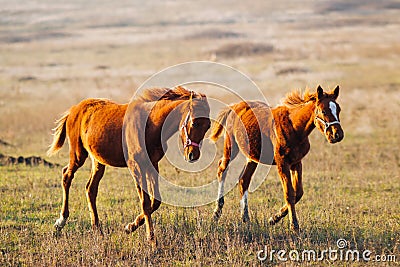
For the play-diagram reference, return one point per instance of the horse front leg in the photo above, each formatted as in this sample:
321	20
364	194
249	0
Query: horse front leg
147	210
144	217
289	189
140	220
296	177
149	200
137	175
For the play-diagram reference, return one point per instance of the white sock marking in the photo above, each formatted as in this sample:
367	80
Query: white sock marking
243	201
332	106
60	223
221	189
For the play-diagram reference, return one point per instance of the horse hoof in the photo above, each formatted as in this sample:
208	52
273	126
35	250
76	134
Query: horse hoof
59	224
127	229
295	227
271	221
216	215
97	229
154	245
153	241
130	228
245	218
56	233
57	227
295	231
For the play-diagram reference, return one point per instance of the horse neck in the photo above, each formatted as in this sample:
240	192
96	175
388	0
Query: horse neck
174	110
302	118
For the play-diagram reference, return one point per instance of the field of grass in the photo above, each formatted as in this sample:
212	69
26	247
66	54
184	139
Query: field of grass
53	55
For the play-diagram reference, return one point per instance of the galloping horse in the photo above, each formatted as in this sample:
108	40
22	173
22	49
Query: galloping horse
96	128
283	132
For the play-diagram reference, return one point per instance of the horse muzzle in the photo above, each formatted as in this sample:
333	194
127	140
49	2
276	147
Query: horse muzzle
191	154
335	134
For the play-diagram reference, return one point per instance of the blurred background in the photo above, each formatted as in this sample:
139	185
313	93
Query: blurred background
55	54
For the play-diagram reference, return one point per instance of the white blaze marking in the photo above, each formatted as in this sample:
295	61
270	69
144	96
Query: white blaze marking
243	201
332	106
220	189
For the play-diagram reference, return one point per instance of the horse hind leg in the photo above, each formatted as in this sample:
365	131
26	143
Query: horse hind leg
92	190
244	183
66	183
221	175
230	152
77	159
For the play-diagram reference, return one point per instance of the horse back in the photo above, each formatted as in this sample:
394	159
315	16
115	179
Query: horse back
252	126
95	125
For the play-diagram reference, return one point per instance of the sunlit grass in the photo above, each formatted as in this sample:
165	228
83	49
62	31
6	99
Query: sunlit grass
361	207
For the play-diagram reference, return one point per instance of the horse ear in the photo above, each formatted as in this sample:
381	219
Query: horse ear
320	92
191	101
336	92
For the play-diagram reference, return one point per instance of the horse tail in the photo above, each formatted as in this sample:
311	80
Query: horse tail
60	134
219	124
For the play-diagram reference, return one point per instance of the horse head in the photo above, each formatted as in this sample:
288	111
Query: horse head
327	112
194	124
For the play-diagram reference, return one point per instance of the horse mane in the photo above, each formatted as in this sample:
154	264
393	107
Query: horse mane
179	92
297	98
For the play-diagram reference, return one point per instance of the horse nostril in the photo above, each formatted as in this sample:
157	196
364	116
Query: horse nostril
190	156
337	136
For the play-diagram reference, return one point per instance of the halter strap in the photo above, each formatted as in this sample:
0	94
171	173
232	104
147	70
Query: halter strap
327	124
188	142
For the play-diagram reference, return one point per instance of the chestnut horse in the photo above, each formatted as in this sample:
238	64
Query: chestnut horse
96	128
283	132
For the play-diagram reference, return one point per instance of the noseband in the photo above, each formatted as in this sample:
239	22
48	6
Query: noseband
326	124
188	142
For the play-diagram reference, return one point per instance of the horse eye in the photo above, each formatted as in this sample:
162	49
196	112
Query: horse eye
195	124
323	112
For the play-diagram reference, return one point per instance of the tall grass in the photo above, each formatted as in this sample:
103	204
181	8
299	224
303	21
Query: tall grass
340	201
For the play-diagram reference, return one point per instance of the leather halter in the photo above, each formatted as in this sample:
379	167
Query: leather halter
326	124
187	142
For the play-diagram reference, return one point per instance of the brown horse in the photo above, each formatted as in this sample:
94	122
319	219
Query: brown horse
275	136
96	128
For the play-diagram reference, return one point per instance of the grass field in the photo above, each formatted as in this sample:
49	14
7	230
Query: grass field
53	55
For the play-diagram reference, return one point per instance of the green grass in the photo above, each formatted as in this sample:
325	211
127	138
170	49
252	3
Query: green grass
361	207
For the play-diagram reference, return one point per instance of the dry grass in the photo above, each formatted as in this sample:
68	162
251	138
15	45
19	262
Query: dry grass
54	55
